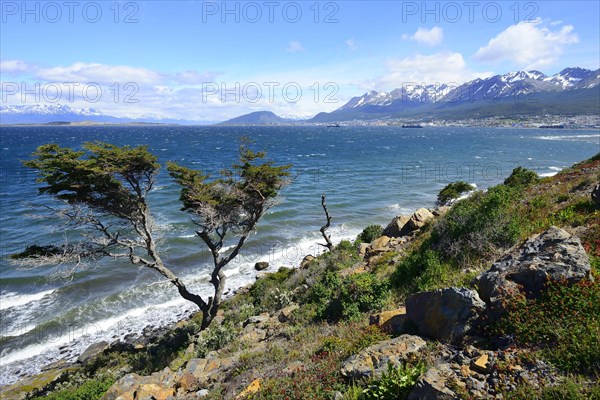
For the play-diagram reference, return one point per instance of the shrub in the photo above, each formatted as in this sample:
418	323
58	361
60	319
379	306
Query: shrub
453	191
370	233
521	178
215	337
89	390
347	298
478	226
563	322
395	383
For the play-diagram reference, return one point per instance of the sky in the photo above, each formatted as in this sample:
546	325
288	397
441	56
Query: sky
214	60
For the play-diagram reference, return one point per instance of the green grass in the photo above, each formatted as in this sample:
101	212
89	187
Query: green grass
90	390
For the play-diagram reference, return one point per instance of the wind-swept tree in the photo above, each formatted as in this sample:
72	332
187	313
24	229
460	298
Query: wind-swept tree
105	187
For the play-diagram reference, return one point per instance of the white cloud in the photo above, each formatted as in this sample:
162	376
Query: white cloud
99	73
428	37
442	67
294	47
191	77
529	45
351	43
13	66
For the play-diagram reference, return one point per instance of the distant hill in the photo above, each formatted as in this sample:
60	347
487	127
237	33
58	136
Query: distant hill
257	118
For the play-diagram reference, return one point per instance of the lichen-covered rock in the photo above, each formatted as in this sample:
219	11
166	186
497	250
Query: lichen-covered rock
444	314
432	385
159	386
555	254
394	228
373	360
393	321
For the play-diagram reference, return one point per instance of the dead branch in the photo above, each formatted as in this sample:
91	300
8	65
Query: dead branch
324	228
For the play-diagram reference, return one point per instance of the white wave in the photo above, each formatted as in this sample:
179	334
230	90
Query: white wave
555	168
567	137
547	174
11	299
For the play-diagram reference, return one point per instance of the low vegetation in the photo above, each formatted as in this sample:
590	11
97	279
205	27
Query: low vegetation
336	294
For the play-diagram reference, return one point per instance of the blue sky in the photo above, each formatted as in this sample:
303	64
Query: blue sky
173	59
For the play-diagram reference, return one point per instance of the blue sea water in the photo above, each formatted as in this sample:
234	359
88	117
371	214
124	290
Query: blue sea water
369	174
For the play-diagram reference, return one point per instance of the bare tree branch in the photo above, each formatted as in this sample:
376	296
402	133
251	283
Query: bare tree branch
324	228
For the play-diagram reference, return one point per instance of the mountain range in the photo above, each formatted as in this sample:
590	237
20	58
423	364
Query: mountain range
53	113
572	91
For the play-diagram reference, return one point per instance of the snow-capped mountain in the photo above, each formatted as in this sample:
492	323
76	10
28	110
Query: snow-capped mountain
47	113
516	87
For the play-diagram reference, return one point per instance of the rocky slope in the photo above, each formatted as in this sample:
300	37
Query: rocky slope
342	325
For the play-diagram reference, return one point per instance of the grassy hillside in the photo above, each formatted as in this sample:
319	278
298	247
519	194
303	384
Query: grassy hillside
323	308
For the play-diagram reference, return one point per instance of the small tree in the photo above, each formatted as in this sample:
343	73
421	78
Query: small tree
105	188
232	204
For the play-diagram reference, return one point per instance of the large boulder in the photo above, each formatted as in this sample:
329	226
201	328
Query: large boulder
444	314
158	386
417	221
553	255
395	227
373	360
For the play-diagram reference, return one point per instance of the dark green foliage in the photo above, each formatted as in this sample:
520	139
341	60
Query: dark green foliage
263	290
521	178
395	383
453	191
370	233
236	200
89	390
347	297
478	226
215	337
107	178
566	328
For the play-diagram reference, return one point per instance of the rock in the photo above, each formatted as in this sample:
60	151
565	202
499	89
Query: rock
373	360
261	265
554	254
253	387
432	385
133	386
441	210
306	261
596	195
445	314
363	249
286	313
394	228
481	364
392	322
293	367
379	245
256	320
417	221
187	382
202	393
92	351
